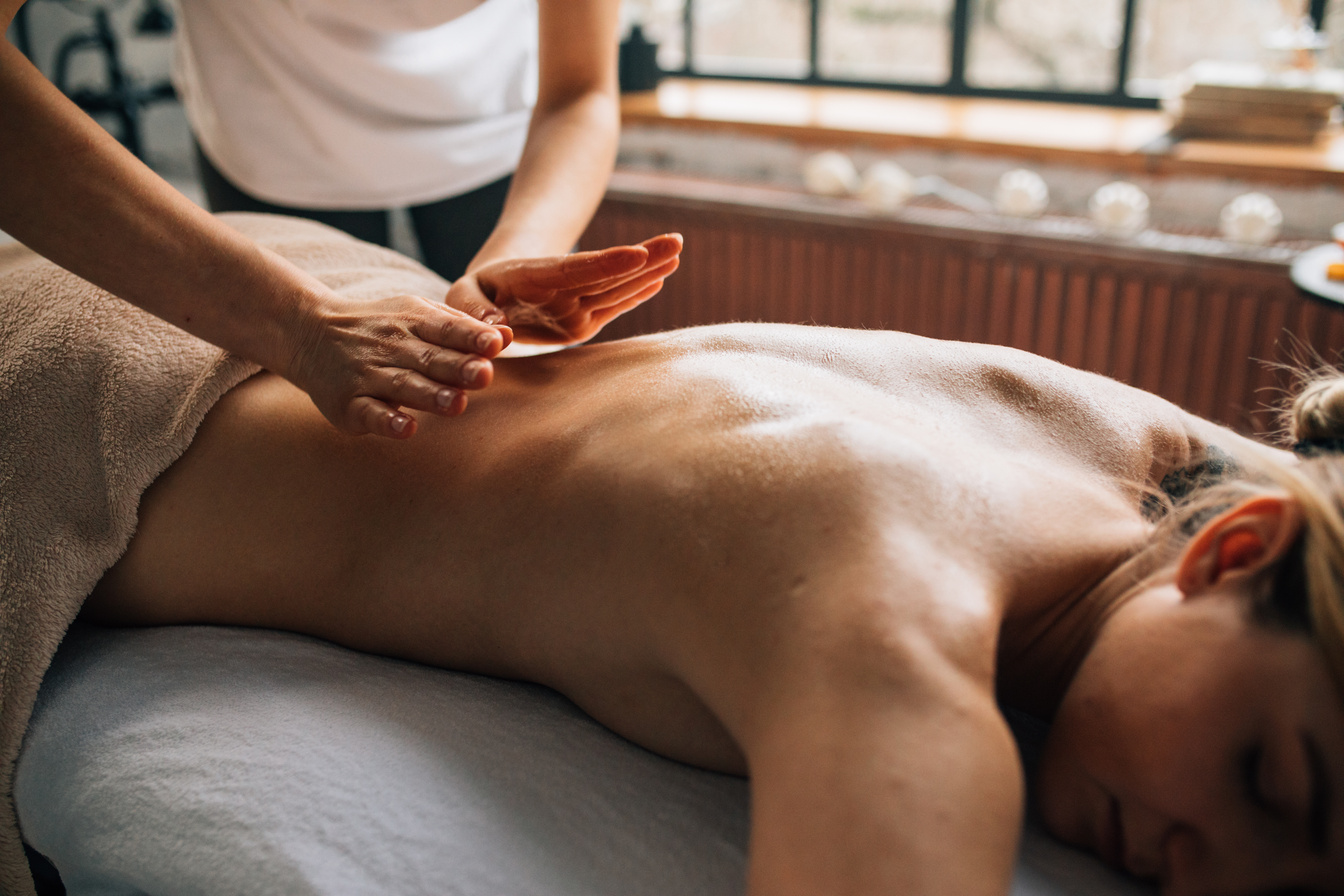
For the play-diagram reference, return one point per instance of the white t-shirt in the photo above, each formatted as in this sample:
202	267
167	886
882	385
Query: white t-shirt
358	104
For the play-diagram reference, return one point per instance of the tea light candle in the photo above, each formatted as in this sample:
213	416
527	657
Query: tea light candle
1021	194
830	173
886	187
1251	218
1119	209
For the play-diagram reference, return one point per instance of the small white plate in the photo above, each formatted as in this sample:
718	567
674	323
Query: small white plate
1308	272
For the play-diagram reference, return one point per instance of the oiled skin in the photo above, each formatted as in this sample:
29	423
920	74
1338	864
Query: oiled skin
809	554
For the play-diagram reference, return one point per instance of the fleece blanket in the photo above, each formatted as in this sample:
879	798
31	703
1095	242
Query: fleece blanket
98	398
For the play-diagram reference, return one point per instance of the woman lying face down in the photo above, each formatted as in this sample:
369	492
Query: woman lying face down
821	558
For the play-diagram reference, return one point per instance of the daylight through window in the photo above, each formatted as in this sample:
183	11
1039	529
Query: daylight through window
1117	52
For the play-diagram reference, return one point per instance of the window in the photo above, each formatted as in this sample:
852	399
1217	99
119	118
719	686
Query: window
1116	52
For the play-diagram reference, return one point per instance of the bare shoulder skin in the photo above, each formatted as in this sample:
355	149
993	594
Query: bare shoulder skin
812	555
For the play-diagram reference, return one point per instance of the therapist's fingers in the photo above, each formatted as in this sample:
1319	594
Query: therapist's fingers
554	279
367	415
408	389
540	279
585	316
582	322
452	329
611	312
663	247
469	297
386	415
602	269
435	366
664	252
367	363
552	300
585	268
597	318
659	263
618	294
570	308
401	390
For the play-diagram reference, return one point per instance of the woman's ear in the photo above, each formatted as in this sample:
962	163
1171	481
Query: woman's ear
1239	543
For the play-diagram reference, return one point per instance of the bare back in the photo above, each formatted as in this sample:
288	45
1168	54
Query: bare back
593	509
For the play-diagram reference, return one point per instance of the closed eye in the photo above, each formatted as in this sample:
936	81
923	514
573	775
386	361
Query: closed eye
1318	810
1252	762
1318	813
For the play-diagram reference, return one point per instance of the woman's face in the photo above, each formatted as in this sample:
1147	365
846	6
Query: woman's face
1199	749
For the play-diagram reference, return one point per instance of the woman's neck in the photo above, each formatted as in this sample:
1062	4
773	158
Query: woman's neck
1041	649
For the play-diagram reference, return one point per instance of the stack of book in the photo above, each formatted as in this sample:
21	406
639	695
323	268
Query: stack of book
1247	103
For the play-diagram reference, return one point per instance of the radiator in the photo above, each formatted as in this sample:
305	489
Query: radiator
1208	333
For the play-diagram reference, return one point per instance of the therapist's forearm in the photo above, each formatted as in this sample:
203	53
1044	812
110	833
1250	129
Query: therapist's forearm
72	193
563	174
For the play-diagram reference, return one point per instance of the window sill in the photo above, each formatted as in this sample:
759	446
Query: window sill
1124	140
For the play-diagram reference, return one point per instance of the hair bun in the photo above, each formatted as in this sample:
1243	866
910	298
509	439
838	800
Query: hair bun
1318	410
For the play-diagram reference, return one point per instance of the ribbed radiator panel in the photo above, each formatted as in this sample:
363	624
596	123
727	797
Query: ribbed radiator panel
1202	332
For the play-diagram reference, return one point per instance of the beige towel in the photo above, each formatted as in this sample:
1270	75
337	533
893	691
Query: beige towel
97	398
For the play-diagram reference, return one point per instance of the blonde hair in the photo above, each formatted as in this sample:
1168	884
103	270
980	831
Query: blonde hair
1307	588
1316	425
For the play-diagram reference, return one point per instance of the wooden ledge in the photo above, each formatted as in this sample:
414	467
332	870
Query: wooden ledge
1125	140
661	191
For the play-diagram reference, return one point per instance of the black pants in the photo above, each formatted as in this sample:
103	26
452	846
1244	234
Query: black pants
450	231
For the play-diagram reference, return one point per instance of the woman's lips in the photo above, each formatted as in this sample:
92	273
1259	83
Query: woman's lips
1111	838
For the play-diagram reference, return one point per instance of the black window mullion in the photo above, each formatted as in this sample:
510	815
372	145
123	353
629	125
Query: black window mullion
1317	12
1126	48
687	29
814	42
961	35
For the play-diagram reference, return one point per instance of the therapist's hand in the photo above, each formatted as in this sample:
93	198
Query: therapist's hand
563	299
363	362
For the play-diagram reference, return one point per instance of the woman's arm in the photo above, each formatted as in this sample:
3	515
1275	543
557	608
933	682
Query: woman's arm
854	792
879	760
571	142
69	191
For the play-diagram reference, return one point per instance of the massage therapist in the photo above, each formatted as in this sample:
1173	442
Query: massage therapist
338	109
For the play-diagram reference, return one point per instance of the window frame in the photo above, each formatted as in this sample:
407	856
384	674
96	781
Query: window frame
956	84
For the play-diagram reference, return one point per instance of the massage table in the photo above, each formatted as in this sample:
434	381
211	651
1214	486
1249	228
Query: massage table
211	760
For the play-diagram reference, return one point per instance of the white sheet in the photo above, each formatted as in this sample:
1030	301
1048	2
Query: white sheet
230	761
